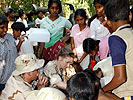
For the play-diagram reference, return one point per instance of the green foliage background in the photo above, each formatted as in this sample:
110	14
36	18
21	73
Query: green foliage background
27	5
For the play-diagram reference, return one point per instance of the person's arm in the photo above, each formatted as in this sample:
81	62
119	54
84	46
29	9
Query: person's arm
41	50
61	85
113	96
106	24
21	40
83	56
73	46
92	30
67	35
117	50
73	49
118	79
107	96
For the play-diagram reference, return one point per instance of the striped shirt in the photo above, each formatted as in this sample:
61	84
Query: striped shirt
8	54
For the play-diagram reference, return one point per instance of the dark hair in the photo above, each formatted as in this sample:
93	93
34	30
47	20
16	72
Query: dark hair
117	10
80	12
102	2
65	52
38	11
18	26
20	13
8	11
83	86
3	19
90	44
55	1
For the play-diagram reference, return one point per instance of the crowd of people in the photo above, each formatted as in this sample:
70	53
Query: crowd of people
97	65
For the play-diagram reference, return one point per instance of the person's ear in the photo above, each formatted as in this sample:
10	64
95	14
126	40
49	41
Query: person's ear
60	58
19	31
130	16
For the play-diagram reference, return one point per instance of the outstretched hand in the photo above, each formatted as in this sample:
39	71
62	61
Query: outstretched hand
42	81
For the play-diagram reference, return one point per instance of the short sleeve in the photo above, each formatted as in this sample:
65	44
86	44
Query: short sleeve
37	21
68	24
117	50
72	31
92	30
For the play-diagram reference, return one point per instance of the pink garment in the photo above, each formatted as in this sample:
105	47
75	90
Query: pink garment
79	37
103	48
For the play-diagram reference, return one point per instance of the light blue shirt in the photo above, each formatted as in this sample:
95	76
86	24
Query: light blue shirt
56	28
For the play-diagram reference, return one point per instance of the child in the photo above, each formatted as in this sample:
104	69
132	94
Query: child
79	32
9	13
55	24
91	47
8	53
22	16
24	45
40	16
121	48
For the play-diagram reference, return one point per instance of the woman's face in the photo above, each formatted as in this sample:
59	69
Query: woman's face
80	20
65	62
99	9
54	9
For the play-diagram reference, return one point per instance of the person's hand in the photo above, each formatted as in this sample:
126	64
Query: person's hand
21	39
67	30
75	59
78	61
42	81
101	19
64	39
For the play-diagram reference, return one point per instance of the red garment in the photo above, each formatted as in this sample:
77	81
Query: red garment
51	52
92	62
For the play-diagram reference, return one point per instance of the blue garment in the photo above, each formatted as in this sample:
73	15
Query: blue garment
118	47
8	54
